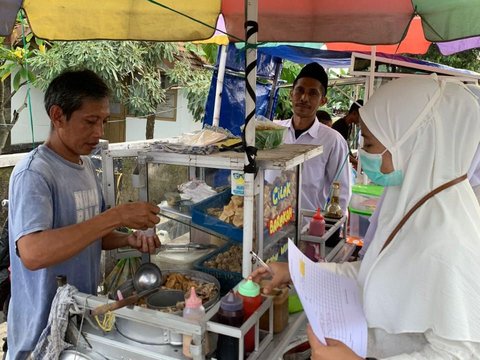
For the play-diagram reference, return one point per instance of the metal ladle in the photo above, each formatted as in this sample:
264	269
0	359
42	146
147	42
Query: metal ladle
146	281
148	276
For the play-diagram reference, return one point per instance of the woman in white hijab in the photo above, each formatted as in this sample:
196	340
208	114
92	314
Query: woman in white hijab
419	276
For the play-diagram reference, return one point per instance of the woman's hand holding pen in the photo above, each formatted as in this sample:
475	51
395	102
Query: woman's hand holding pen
280	276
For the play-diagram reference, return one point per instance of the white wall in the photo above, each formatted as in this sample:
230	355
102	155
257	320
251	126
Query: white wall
22	131
135	127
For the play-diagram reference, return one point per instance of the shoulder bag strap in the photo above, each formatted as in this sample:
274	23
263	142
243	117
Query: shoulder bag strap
420	203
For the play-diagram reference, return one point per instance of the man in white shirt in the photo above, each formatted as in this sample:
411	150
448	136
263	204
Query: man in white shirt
308	94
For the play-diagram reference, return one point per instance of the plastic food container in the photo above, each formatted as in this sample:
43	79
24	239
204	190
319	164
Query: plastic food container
362	205
269	139
358	224
365	198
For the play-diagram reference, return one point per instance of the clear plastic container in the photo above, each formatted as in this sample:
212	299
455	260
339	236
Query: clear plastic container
365	198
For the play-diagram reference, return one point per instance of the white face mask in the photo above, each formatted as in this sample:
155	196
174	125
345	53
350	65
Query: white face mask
371	164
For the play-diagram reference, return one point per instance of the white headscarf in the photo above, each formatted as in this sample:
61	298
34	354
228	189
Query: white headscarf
428	277
474	171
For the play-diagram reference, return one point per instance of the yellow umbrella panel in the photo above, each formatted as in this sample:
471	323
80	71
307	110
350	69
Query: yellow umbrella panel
122	19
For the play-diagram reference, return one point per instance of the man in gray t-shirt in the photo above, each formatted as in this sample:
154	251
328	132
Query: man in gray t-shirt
57	220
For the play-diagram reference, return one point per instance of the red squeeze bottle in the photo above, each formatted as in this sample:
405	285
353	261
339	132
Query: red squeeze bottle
316	228
317	224
250	293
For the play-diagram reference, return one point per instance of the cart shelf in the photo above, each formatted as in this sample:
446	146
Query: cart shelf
284	157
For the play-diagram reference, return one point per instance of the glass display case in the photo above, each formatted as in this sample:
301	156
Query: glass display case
142	173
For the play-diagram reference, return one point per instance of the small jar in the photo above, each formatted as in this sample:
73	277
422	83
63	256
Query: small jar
280	311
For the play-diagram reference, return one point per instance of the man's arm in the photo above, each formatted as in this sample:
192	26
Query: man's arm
48	247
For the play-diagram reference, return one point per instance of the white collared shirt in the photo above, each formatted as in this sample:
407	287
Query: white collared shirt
319	172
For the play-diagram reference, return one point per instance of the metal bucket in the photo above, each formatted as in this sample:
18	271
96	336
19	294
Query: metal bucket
150	335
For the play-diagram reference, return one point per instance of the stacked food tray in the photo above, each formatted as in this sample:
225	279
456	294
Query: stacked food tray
225	264
201	216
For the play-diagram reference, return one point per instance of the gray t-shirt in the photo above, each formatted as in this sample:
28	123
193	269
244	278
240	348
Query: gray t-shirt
48	192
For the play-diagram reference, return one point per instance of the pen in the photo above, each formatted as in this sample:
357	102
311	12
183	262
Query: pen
263	263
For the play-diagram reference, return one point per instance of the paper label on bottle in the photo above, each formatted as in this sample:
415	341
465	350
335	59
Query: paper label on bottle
238	182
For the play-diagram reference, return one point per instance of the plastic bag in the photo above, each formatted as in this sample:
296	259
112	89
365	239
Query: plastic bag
268	135
123	271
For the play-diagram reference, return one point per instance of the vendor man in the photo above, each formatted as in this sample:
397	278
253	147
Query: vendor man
58	223
308	94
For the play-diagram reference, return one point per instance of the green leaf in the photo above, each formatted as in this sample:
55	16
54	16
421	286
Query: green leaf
16	80
23	73
30	77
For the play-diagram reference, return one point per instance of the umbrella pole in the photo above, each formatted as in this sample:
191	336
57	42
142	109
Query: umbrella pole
219	87
251	29
371	78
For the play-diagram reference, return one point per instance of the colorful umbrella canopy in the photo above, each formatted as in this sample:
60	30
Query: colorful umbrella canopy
166	20
351	22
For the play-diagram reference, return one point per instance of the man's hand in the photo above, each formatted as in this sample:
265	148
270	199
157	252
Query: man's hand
144	243
334	349
137	215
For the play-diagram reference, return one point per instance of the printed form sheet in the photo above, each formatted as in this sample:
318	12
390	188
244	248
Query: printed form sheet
331	302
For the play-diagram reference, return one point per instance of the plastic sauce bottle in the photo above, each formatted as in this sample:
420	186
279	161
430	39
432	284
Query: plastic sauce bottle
193	310
230	313
316	228
317	224
250	293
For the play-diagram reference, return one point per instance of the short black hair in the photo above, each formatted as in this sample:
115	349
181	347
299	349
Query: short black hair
315	71
355	106
69	89
323	115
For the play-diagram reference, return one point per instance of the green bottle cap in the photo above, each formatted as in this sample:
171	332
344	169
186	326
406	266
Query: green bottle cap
249	288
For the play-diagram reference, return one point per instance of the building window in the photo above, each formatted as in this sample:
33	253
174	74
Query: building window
167	110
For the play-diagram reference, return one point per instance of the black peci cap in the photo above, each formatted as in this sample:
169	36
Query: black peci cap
314	71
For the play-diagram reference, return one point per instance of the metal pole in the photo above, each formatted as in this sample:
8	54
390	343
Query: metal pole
278	70
251	28
371	79
219	88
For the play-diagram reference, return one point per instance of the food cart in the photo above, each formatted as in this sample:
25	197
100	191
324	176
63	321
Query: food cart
277	217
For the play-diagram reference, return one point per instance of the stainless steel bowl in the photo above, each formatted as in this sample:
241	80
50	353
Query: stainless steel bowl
146	334
81	354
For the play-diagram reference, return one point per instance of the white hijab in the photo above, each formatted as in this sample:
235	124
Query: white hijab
428	277
474	171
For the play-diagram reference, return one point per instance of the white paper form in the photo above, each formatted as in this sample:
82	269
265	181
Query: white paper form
331	302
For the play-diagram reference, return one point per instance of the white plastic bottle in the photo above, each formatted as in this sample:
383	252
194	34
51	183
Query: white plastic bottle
193	310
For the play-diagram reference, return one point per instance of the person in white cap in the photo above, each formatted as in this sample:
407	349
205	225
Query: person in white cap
308	94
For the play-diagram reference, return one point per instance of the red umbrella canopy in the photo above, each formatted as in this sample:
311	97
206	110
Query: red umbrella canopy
413	25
